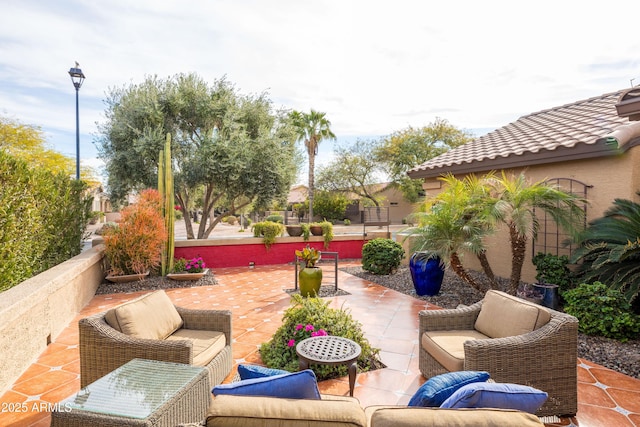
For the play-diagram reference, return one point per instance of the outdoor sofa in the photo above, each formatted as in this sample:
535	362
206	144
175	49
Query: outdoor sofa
516	341
342	411
151	327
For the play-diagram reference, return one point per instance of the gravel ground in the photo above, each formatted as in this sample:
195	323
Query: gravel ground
622	357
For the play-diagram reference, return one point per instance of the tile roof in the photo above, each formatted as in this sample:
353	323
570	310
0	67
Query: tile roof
568	132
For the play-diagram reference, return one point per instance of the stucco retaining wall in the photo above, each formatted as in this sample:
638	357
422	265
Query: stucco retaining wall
33	313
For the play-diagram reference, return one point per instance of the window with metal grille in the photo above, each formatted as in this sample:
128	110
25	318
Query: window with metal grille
551	239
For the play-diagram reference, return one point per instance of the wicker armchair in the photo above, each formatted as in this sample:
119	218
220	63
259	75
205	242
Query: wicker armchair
545	358
103	349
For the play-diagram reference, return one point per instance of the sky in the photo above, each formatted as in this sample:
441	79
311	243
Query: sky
374	67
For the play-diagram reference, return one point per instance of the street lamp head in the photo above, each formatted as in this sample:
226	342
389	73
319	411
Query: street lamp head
77	77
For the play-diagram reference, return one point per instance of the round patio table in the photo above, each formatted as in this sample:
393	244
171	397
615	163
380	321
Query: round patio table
330	350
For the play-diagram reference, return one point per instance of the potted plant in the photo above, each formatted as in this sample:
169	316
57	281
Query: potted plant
552	275
188	269
134	245
427	272
269	230
316	229
530	293
327	232
294	230
310	276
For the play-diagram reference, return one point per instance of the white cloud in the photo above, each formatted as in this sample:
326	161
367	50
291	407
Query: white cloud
373	66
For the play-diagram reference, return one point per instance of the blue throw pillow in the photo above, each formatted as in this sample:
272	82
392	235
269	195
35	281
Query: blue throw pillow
497	395
247	372
297	385
437	389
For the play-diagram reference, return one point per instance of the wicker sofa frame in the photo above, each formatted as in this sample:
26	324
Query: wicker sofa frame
103	349
545	358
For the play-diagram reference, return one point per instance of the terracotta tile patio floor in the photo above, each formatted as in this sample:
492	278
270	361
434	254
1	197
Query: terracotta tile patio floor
257	300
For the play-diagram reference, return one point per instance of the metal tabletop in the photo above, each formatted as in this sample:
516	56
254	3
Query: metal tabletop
330	350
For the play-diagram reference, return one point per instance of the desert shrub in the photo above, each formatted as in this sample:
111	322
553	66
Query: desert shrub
275	218
231	220
280	351
347	221
382	256
602	311
135	245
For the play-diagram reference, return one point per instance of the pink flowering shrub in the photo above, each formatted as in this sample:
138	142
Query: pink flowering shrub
194	265
302	332
310	317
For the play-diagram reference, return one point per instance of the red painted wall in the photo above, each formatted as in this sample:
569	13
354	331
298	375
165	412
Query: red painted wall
279	253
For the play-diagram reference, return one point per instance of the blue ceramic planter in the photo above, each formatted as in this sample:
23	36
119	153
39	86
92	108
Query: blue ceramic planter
427	274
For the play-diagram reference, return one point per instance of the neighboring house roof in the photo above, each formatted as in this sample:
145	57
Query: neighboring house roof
371	188
297	194
583	129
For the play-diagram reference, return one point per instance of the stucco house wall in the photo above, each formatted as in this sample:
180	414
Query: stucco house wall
610	163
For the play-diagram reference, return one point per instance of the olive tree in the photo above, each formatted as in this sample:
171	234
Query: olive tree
410	147
230	150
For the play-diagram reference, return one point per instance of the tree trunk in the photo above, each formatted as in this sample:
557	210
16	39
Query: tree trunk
518	248
183	201
486	267
456	266
312	162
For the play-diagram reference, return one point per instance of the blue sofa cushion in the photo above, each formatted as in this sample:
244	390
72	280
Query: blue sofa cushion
297	385
247	372
437	389
497	395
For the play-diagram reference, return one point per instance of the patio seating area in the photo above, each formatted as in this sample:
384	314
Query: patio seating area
257	301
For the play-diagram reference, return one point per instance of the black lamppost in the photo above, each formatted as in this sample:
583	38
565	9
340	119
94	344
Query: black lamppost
77	78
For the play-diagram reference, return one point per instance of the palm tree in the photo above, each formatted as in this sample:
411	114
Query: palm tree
515	203
453	222
311	128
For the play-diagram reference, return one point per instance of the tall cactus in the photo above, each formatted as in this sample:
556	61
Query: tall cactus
165	187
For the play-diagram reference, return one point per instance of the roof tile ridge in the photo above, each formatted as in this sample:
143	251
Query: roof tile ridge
580	102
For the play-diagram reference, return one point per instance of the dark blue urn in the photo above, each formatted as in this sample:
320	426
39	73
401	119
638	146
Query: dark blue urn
426	272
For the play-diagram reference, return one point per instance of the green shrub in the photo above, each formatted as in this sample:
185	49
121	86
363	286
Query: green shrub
609	250
280	351
347	221
382	256
275	218
20	228
602	311
268	230
330	205
43	219
552	269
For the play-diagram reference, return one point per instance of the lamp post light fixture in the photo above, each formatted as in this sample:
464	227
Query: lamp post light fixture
77	77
